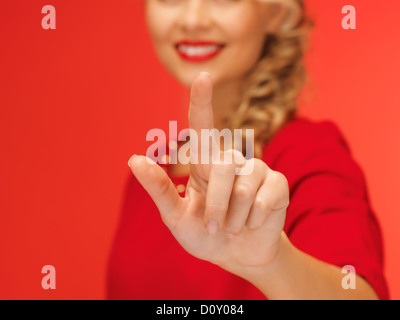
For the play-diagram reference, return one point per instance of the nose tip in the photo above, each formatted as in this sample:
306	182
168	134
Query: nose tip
196	16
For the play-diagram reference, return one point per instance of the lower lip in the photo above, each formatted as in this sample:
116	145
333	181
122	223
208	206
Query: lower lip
198	58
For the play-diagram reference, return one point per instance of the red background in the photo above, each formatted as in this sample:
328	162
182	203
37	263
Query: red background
76	103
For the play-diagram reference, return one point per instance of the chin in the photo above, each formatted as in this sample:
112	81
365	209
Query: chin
185	72
186	77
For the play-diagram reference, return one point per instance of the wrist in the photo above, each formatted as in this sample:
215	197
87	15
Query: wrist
273	265
269	269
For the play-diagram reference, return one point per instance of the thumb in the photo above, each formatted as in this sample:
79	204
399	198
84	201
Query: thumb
157	184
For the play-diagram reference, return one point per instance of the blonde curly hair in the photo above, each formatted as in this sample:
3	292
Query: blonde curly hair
269	96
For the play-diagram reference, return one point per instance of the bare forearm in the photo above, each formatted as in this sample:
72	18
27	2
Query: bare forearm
296	275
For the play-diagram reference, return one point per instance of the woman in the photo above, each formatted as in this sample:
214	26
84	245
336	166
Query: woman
284	231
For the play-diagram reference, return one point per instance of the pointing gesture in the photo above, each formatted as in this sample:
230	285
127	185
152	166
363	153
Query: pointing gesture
231	220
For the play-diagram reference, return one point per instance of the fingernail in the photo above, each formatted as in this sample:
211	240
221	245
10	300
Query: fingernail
206	73
134	156
212	227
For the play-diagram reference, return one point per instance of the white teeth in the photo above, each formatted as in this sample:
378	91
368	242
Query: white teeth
198	50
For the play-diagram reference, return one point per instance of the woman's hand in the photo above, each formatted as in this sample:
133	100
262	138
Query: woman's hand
234	221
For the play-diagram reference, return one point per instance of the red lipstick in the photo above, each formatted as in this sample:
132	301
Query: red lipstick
198	51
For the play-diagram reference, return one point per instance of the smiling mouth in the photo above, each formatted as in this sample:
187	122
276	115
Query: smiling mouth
198	51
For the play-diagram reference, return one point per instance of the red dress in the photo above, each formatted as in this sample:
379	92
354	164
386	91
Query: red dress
329	217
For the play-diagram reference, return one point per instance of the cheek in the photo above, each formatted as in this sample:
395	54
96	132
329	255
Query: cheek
246	40
160	26
159	23
157	32
244	54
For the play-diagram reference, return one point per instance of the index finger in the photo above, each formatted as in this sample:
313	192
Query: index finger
201	115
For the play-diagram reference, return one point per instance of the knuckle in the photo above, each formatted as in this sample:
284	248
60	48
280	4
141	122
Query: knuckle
164	185
280	179
216	209
284	185
234	152
243	190
254	224
260	205
234	226
233	230
234	157
259	163
168	221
